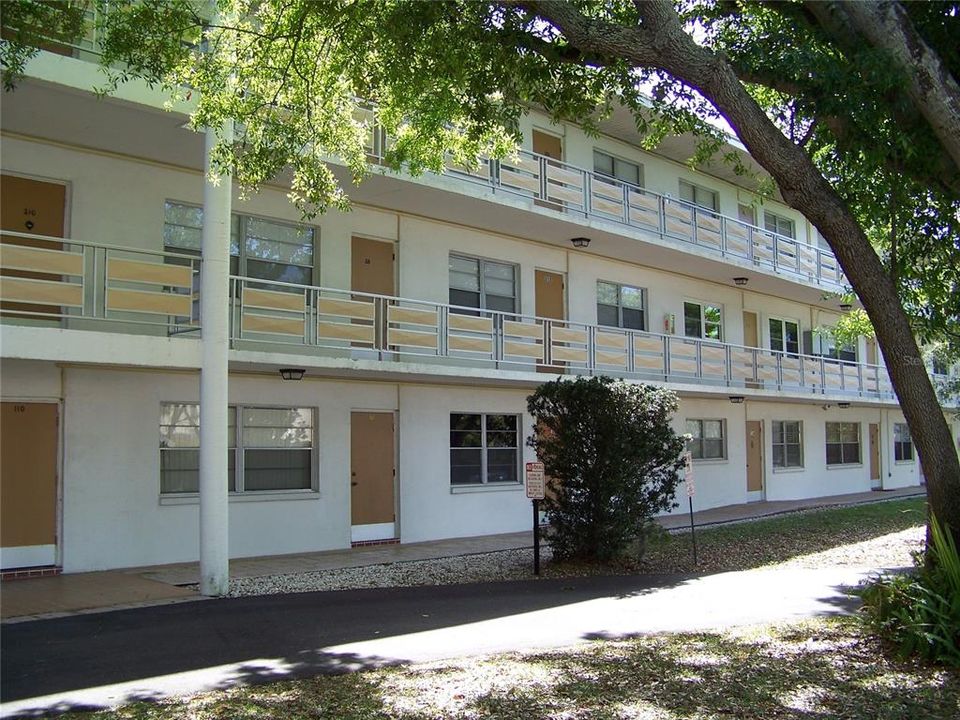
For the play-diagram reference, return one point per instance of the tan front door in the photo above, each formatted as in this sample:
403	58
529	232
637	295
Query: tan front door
549	301
36	208
875	456
750	329
750	338
552	147
372	270
754	459
372	266
372	472
28	484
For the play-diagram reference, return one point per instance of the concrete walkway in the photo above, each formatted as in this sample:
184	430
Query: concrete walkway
136	587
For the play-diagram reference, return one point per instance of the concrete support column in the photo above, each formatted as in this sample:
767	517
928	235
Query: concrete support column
214	316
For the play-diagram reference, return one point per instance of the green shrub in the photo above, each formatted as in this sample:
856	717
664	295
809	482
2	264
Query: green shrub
919	613
612	459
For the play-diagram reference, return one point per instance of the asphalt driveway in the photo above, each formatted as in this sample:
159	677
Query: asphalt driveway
106	659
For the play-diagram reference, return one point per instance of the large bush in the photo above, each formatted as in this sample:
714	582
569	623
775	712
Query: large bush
919	613
612	460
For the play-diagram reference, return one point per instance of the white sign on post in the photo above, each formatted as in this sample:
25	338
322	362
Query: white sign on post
535	481
688	473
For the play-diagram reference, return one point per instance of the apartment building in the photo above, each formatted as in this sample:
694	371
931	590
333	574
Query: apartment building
380	359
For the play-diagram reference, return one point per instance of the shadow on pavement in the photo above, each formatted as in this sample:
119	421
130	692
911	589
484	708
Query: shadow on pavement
45	658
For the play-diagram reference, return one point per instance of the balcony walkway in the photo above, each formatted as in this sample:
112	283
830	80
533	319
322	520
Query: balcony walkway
158	585
156	293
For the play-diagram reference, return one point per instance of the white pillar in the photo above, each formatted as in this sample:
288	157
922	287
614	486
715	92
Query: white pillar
214	315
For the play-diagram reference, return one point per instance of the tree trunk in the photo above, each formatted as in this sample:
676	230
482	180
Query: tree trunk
661	42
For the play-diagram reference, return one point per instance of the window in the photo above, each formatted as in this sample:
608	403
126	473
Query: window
843	443
829	348
273	449
778	224
621	306
938	366
484	284
902	442
747	214
263	249
699	196
484	449
701	320
604	164
708	441
787	444
784	336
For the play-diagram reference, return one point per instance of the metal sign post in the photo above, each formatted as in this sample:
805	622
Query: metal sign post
535	486
688	477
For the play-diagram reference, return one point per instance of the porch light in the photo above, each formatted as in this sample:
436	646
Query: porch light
740	281
736	399
846	307
843	405
292	373
580	242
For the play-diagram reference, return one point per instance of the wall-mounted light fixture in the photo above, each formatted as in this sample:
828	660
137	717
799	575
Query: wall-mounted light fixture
580	242
843	405
736	399
740	281
292	373
846	307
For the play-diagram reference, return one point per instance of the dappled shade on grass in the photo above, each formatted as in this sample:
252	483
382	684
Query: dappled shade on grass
821	669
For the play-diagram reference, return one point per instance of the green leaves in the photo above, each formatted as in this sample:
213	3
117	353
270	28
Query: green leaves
920	613
28	25
612	460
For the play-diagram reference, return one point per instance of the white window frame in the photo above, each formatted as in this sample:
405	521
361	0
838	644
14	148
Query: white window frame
484	448
859	444
900	444
697	190
619	305
779	222
238	224
481	261
783	334
723	439
703	320
773	444
616	160
237	449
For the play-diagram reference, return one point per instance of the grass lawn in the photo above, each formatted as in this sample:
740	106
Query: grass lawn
746	545
763	542
820	669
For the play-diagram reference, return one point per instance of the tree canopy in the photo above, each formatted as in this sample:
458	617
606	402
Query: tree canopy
852	108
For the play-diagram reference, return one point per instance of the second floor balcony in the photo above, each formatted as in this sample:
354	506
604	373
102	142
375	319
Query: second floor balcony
57	283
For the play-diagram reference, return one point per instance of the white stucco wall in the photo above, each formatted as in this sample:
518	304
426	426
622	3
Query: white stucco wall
26	380
113	516
429	508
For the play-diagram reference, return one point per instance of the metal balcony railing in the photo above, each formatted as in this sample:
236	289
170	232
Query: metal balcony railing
362	325
575	191
68	281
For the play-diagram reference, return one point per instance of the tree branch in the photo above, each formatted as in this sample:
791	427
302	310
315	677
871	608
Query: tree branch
931	87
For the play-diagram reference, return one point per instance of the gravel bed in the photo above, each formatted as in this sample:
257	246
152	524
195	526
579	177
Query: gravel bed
482	567
887	551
